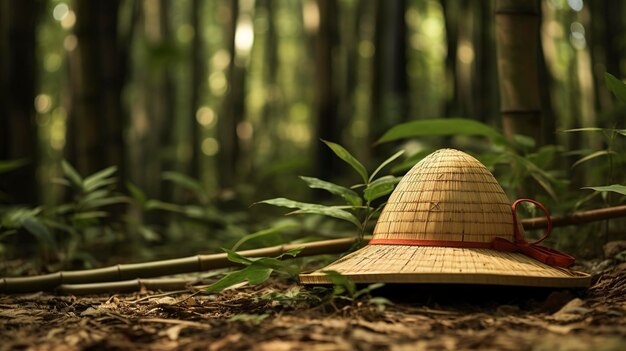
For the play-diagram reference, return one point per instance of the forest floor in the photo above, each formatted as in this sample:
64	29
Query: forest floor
278	315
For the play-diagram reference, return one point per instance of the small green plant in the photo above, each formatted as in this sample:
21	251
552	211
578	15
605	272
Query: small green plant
358	209
345	289
62	230
611	136
257	269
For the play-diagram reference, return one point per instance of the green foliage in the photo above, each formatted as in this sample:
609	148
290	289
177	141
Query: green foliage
442	127
345	289
358	209
256	271
522	165
349	195
348	158
616	86
11	165
262	233
302	208
615	188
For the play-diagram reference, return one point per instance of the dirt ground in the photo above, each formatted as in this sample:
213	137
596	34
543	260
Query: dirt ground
283	316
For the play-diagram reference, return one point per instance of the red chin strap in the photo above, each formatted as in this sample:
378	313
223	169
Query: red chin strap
532	249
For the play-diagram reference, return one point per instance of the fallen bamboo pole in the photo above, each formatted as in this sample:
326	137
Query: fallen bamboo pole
576	218
127	272
128	277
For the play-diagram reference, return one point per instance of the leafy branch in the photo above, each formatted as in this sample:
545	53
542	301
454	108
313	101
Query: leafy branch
358	208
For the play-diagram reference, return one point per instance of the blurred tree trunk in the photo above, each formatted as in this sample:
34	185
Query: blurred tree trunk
517	41
326	91
97	73
18	77
349	35
232	109
390	79
451	16
274	96
197	73
485	82
606	46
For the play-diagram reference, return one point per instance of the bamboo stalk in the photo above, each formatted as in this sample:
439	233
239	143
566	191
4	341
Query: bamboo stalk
575	218
130	277
125	286
125	272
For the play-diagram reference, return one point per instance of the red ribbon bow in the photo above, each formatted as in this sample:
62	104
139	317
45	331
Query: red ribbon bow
541	253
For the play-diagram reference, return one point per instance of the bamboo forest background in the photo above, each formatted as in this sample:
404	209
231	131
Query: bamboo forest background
206	107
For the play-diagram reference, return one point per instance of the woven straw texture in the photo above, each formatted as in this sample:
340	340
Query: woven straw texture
448	196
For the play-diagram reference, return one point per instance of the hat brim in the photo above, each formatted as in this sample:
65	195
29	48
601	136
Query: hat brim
446	265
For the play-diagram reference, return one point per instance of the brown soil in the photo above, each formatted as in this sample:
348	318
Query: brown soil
283	316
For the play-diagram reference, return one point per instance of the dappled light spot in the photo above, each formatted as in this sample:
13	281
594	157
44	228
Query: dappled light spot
220	60
210	146
69	20
576	5
311	16
577	36
43	103
57	128
185	33
206	116
52	62
366	48
60	11
245	130
466	52
217	83
244	37
70	42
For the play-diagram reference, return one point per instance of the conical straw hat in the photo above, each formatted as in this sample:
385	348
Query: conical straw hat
449	221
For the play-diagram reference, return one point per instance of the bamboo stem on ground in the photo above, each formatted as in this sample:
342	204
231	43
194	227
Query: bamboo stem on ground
199	263
130	277
575	218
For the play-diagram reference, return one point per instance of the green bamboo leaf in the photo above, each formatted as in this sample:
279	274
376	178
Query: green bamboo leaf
380	187
411	161
615	188
592	156
253	274
385	163
107	201
303	208
341	283
10	165
263	233
616	86
349	195
100	179
237	258
186	182
442	127
586	129
39	231
164	206
291	252
348	158
137	193
89	215
94	195
71	174
330	212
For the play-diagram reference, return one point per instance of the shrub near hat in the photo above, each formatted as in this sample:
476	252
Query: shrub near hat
449	221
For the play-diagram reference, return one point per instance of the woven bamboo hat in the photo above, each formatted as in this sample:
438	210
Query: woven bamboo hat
449	221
